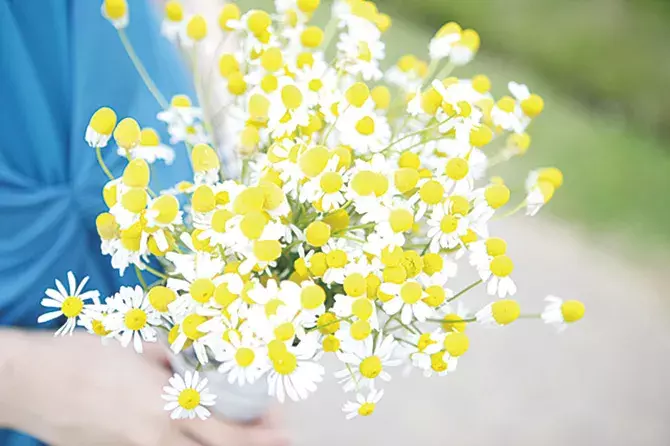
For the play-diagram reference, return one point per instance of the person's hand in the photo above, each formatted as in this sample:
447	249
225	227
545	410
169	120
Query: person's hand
75	391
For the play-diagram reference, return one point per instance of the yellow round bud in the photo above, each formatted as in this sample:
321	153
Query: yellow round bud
357	94
237	85
551	175
174	11
308	6
481	135
204	158
106	225
381	97
103	121
311	37
456	343
203	199
481	83
136	174
272	59
127	133
532	106
258	22
230	11
196	28
115	9
383	22
505	311
228	64
317	233
160	297
572	310
497	195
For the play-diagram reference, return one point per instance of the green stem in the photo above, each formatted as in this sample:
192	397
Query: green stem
452	321
464	290
155	272
138	273
417	132
512	212
151	86
104	167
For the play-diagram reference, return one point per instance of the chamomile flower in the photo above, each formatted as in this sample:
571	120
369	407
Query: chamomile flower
496	274
445	228
150	148
562	313
443	42
116	11
499	313
293	372
540	186
366	362
199	283
531	104
100	127
66	303
364	130
327	187
188	397
407	300
243	359
173	23
364	405
131	318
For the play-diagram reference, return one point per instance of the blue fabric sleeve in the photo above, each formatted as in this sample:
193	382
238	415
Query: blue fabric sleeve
60	61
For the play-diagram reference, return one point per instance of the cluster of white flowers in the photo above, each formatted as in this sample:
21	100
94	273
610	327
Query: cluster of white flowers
343	231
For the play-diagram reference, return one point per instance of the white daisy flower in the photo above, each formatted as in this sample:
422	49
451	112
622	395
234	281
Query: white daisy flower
561	313
67	303
408	300
445	229
294	371
242	359
499	313
366	362
150	148
496	274
188	397
131	317
364	405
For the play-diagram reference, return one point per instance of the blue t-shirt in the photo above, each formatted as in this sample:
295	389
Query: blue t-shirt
60	60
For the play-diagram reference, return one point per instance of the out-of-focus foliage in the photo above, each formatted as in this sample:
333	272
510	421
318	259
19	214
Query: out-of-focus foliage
611	54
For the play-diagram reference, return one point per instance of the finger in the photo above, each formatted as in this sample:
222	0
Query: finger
180	439
157	353
215	432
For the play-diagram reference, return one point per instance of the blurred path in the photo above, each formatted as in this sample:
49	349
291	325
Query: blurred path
602	382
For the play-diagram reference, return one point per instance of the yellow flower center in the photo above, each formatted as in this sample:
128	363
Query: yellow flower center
230	11
328	323
308	6
109	195
394	274
412	263
291	97
106	225
502	266
189	399
136	174
99	328
497	195
405	179
532	105
267	250
331	182
317	264
436	296
381	97
362	308
223	296
103	121
305	59
312	297
453	322
252	224
202	290
251	199
311	37
366	409
190	326
331	344
258	22
572	310
551	175
196	28
370	367
448	224
135	319
456	343
244	356
401	220
220	218
360	330
313	161
173	11
72	306
284	332
317	233
392	256
363	182
180	100
236	83
357	94
495	246
432	263
272	59
506	104
160	297
285	363
424	342
203	199
457	168
115	9
228	64
481	83
480	135
135	200
167	207
431	192
365	126
411	292
204	158
505	311
355	285
437	362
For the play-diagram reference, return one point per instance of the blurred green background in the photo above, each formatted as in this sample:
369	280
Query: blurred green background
602	67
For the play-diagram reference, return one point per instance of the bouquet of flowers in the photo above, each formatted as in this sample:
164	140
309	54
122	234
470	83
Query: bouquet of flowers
348	198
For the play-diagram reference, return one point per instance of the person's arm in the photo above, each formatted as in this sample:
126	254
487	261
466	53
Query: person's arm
75	391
